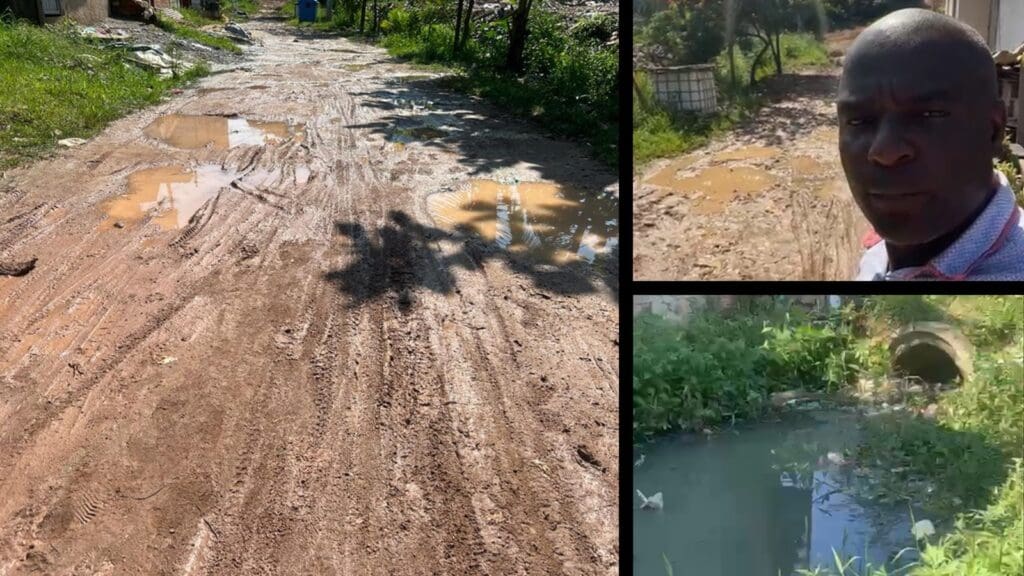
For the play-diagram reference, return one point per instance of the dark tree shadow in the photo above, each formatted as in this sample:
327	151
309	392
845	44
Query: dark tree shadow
403	256
791	112
485	138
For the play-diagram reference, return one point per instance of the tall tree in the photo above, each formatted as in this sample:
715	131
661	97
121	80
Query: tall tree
362	18
458	27
465	23
517	36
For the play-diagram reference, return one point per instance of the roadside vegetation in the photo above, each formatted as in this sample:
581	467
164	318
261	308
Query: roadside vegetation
962	465
530	60
768	39
54	84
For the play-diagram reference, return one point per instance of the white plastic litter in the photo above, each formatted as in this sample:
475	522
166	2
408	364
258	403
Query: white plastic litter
653	503
922	529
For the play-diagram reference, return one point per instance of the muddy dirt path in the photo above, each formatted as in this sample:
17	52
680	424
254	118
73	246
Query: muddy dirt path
250	347
766	202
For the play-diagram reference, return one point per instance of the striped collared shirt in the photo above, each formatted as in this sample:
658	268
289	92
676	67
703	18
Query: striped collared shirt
992	248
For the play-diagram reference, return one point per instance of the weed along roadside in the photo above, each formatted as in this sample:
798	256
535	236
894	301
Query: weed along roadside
63	83
874	435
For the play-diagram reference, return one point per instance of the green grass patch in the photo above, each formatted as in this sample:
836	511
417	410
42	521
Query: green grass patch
55	84
195	18
190	33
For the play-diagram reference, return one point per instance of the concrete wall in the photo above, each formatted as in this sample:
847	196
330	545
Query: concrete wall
83	11
1010	32
975	13
678	308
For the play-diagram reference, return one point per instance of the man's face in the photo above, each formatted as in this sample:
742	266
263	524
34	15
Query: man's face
915	144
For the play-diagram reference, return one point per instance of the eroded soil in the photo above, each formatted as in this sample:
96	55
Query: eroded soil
766	202
301	372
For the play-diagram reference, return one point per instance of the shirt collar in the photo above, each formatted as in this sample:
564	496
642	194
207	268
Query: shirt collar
983	238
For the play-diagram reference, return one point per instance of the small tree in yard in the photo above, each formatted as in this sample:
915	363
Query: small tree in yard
517	36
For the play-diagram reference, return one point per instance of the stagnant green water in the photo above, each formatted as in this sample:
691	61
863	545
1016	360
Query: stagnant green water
762	500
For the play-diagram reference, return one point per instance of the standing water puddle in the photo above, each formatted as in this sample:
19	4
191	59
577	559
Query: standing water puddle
175	192
184	131
716	186
774	498
546	220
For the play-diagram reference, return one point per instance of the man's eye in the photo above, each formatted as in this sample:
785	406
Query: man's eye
935	113
858	121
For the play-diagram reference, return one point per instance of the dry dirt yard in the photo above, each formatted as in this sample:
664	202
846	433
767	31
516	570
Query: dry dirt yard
766	202
339	324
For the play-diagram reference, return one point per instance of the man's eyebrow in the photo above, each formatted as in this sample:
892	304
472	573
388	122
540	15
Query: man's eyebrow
941	94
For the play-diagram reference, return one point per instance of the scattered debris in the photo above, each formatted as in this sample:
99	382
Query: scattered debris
640	462
237	33
17	268
171	14
155	58
922	529
653	503
76	369
168	360
104	33
71	142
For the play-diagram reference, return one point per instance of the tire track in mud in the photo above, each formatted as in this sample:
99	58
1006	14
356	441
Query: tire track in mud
303	426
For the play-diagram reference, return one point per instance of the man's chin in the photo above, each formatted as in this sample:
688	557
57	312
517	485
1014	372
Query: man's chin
903	237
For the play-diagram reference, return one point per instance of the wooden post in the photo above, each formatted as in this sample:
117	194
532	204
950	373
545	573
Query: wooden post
1020	107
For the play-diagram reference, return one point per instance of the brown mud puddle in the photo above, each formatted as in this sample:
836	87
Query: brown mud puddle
222	132
172	191
545	221
746	153
714	187
667	176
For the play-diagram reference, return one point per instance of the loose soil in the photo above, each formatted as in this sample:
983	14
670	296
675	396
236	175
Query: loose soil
299	370
767	202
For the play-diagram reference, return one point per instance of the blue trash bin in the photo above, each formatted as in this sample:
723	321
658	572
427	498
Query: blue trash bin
307	10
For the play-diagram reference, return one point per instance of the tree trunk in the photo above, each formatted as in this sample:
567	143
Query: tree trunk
466	20
458	27
362	18
517	36
376	18
732	64
757	60
778	53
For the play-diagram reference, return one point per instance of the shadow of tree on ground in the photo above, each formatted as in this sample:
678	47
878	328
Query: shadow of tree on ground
404	256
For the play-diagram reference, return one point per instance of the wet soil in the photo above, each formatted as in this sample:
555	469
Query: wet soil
766	202
297	369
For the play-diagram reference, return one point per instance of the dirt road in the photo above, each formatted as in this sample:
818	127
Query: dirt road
251	346
768	201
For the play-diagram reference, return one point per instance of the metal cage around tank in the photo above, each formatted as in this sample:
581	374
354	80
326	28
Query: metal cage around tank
684	88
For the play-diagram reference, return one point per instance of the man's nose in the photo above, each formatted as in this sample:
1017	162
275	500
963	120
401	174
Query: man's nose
889	147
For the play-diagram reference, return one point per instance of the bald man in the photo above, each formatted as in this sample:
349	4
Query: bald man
919	123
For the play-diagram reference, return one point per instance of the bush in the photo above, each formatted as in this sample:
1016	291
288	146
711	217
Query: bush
401	21
810	356
598	28
689	34
686	378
